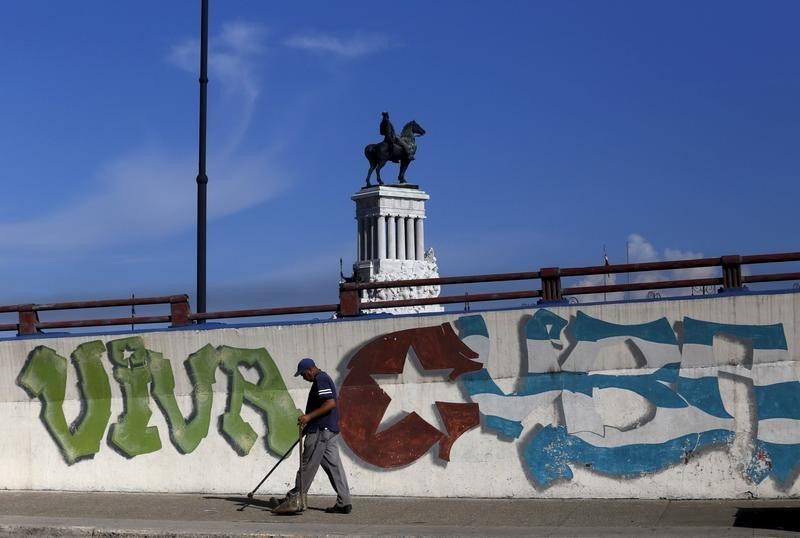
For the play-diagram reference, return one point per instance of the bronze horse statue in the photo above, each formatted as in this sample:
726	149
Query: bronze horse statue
403	152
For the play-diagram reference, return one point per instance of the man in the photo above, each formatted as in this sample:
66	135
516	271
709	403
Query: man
321	428
392	140
387	130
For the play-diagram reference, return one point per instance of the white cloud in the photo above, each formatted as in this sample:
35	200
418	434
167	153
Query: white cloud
640	250
643	251
147	194
358	45
240	41
598	280
243	37
675	254
233	65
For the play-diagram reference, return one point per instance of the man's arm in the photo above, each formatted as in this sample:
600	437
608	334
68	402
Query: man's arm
325	408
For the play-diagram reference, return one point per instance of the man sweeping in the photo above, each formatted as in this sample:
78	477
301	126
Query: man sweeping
320	425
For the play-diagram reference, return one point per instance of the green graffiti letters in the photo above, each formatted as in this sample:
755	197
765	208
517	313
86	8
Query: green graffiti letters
131	434
185	434
134	367
270	393
44	376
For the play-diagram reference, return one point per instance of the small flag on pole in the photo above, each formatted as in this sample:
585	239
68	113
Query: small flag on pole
605	277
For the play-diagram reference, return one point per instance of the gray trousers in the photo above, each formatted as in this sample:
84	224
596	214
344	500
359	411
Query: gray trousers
322	448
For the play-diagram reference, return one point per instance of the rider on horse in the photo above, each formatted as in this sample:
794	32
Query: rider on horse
393	148
391	138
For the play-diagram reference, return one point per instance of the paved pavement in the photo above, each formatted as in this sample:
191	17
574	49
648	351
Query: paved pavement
128	514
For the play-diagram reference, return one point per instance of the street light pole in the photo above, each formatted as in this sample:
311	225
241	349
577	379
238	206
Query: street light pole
202	178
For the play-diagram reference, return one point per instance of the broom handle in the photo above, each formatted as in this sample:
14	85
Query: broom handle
302	482
273	468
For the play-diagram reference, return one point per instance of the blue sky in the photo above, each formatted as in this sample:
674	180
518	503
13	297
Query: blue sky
553	129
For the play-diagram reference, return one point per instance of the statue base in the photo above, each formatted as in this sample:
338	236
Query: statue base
391	269
396	185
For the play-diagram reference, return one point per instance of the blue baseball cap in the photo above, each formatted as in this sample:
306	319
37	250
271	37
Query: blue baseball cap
304	364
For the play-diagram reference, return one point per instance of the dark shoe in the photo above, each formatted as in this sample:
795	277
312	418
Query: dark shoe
336	509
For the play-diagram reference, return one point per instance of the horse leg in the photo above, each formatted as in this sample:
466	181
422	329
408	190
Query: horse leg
378	172
369	174
403	165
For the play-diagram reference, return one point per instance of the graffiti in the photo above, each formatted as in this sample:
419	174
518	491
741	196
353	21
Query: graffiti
666	407
45	377
363	403
613	399
136	369
130	434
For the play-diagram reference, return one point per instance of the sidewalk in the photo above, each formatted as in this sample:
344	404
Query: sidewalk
128	514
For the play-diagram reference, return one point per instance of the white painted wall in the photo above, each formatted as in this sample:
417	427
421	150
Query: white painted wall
482	464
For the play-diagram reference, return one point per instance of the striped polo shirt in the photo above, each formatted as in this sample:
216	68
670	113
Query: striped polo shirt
322	389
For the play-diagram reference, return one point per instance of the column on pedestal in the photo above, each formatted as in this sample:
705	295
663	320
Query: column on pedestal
365	224
361	242
401	238
391	243
381	237
419	239
373	239
410	248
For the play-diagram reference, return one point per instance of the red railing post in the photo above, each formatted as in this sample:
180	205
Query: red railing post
731	271
349	302
551	283
28	318
179	310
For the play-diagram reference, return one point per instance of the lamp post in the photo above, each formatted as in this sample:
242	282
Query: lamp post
202	178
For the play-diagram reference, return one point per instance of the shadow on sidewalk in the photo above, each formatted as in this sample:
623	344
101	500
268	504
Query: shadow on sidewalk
263	504
772	518
244	502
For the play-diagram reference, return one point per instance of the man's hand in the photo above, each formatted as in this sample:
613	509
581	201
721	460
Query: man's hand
327	405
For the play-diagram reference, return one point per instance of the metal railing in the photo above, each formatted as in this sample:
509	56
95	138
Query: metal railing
29	323
353	303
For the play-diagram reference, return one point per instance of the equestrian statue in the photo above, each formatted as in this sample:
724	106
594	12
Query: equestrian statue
393	148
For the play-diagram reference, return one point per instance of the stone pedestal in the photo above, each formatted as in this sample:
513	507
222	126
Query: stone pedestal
391	244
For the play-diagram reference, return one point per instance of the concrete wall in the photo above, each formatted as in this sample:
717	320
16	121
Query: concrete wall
692	398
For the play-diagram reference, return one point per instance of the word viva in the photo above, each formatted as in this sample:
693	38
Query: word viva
134	367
